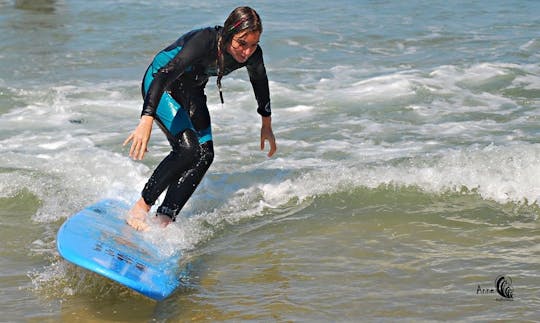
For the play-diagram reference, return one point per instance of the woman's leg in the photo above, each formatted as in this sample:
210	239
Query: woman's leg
179	192
185	153
184	158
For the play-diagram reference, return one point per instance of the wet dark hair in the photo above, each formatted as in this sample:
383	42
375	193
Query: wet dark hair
239	20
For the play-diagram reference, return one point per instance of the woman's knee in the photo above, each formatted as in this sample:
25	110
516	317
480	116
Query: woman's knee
186	148
207	154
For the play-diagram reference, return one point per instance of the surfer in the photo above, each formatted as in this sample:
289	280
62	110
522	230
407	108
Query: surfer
173	91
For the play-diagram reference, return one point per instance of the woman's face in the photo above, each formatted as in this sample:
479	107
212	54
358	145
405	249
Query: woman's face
243	45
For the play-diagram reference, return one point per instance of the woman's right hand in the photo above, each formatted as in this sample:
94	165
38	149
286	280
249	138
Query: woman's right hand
140	137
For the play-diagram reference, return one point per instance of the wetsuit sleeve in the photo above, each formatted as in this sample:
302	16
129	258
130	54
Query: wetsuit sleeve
259	81
193	49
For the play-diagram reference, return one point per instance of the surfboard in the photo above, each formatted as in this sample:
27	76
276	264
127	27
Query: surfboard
98	239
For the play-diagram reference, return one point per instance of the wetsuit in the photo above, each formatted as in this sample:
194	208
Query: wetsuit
173	91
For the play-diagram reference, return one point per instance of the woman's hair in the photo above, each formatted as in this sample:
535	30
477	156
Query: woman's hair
240	19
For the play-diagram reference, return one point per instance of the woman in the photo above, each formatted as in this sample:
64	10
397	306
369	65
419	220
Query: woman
173	91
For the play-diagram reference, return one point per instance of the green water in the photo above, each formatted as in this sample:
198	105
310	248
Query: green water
342	257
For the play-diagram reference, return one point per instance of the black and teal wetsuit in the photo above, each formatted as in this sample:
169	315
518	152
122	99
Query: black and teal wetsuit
173	91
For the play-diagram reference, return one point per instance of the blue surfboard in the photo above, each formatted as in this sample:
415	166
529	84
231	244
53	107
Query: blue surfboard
97	238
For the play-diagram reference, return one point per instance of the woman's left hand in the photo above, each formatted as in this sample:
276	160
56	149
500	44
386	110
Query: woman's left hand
267	134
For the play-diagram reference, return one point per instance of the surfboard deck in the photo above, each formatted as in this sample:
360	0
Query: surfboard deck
97	238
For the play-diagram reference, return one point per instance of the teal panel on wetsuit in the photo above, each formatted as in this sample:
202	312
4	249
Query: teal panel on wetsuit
169	111
173	116
164	57
205	135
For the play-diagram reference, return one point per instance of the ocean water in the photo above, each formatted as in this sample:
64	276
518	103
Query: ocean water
407	177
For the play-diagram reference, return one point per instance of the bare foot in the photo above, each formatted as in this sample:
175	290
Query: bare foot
163	220
137	215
